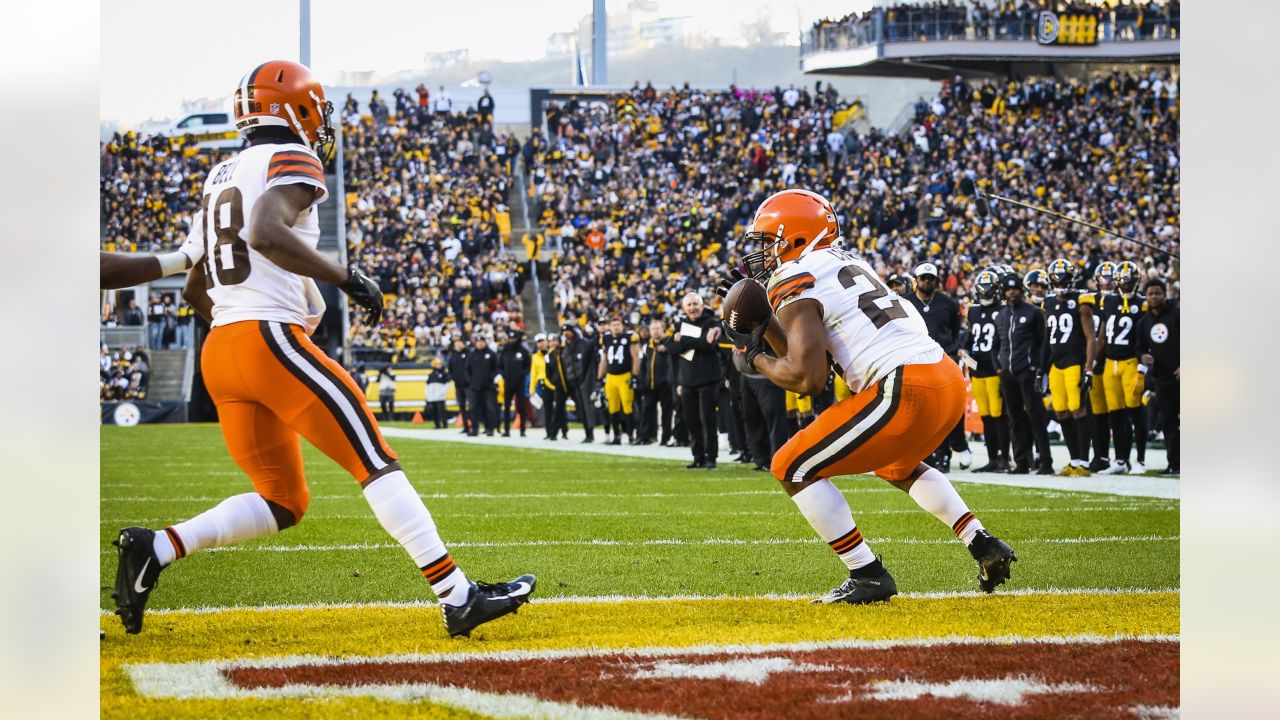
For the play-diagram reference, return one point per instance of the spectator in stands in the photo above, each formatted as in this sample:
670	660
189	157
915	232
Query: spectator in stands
155	321
484	107
133	314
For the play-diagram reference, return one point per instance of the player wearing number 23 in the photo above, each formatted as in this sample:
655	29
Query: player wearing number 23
831	307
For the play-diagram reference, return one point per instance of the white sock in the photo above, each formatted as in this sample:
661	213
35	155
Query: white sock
403	515
824	506
933	492
234	520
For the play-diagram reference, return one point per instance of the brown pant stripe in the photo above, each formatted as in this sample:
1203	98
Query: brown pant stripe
380	473
177	541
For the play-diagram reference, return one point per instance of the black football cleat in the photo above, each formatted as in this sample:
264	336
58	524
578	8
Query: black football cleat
1099	464
488	601
993	556
861	591
135	575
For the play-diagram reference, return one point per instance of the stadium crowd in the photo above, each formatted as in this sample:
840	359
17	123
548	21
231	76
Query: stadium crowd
990	20
123	374
427	192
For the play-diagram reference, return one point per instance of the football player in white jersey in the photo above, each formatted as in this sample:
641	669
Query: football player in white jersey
830	307
256	283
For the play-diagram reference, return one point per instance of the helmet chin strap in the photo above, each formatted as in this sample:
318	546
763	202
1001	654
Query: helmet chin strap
813	243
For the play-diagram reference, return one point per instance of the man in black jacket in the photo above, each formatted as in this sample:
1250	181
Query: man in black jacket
1159	334
1020	350
942	318
699	373
457	367
575	354
556	392
514	361
482	373
654	381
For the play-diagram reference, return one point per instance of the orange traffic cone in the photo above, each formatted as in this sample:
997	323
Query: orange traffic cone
417	418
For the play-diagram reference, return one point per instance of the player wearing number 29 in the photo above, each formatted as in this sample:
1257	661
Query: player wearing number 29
256	283
908	394
1068	315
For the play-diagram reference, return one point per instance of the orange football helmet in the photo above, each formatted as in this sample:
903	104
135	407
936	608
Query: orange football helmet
285	94
788	225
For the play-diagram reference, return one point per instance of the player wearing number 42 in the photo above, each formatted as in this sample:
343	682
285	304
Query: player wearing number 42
254	279
908	394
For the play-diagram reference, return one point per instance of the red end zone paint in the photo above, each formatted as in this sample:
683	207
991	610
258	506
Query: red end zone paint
1025	680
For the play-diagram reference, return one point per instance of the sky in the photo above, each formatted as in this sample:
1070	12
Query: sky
157	53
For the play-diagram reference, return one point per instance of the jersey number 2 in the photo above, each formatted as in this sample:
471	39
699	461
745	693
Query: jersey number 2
870	289
231	267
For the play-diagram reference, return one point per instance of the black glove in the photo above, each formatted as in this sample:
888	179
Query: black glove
1042	382
1086	382
364	292
756	345
735	275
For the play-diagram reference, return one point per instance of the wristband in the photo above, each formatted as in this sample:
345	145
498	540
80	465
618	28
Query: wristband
173	263
1142	369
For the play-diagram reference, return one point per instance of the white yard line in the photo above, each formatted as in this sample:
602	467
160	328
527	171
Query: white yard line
313	516
588	599
604	542
1135	486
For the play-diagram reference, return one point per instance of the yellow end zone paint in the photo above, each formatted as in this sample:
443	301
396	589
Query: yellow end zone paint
180	637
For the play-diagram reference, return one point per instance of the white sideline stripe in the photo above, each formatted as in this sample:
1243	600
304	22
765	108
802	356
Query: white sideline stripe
486	496
602	542
587	599
336	396
882	407
207	679
714	513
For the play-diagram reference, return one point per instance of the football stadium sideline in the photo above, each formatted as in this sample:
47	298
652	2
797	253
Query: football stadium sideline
1130	485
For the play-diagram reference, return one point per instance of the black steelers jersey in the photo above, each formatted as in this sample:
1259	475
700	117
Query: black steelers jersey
1119	323
982	338
1064	331
617	351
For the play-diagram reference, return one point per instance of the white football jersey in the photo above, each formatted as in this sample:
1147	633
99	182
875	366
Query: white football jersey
243	284
870	330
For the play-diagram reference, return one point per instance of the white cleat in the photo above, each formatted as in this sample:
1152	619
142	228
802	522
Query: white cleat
1138	468
964	459
1118	467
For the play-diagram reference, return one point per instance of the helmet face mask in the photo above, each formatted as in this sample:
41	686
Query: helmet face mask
279	93
1127	276
1061	273
786	226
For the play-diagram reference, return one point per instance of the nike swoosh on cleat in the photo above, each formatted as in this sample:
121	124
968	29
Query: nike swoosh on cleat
137	584
522	588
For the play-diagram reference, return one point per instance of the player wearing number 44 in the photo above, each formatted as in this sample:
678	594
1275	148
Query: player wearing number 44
255	281
908	394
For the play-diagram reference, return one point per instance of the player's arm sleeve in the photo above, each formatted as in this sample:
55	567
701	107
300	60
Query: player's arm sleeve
786	290
296	165
193	246
1040	340
1142	343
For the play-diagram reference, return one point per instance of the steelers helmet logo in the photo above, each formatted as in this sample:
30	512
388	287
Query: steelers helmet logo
1159	332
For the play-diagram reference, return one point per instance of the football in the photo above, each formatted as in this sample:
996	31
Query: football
746	306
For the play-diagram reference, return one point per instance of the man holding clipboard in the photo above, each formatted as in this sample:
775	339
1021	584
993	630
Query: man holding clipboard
698	374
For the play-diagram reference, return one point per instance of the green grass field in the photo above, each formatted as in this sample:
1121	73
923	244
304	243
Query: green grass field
595	525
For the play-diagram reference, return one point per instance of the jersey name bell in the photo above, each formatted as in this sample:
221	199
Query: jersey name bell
870	330
243	284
